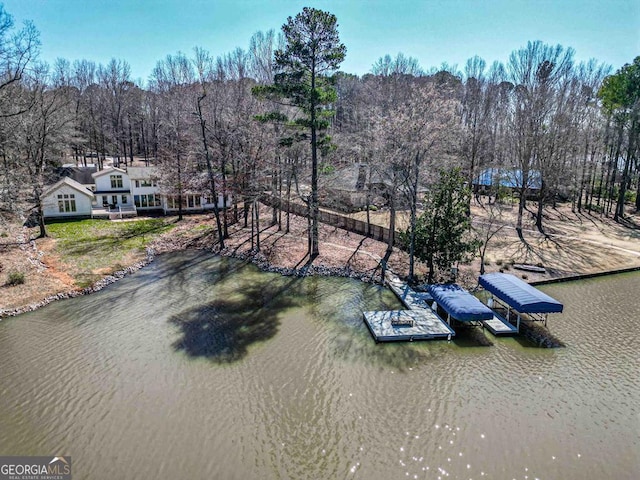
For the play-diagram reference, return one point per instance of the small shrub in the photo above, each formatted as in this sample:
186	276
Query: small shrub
326	168
15	278
524	276
4	234
499	262
595	208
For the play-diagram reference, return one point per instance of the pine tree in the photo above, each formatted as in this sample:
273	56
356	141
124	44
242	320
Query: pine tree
312	53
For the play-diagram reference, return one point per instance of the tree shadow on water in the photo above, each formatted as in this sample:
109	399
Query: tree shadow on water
223	330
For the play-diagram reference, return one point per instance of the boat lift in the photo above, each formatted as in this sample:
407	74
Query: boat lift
519	296
459	304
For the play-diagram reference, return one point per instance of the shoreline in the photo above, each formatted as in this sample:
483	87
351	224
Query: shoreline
606	249
260	261
255	258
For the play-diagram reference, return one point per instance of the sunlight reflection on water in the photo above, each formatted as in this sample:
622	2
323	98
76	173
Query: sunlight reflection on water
234	373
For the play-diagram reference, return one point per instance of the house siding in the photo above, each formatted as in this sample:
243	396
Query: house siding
51	209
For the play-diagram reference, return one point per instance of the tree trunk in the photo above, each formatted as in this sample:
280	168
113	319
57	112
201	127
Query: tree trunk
314	250
256	208
212	180
541	196
521	205
43	228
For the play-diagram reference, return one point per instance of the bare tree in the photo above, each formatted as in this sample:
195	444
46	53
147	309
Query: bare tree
399	65
536	71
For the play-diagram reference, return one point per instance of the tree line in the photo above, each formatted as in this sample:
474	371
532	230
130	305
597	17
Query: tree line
279	117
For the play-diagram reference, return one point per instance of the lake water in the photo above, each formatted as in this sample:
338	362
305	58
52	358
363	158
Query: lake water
200	367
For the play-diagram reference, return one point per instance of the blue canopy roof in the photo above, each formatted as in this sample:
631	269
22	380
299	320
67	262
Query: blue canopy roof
518	294
459	303
511	178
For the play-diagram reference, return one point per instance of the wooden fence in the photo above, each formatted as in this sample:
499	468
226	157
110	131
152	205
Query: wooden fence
376	232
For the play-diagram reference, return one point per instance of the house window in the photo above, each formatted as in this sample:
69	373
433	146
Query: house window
114	199
190	198
124	199
67	203
105	202
145	183
116	181
144	201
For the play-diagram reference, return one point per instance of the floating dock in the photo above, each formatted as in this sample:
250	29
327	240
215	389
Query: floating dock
406	325
499	326
419	322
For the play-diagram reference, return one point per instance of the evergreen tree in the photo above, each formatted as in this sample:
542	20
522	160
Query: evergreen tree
312	52
443	236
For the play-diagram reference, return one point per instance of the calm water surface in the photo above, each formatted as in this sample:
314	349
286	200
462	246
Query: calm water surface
199	367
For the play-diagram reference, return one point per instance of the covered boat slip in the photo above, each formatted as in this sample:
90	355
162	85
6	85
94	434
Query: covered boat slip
459	304
519	296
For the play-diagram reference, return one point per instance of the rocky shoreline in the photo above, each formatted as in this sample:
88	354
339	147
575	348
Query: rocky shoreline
534	333
260	261
96	287
256	258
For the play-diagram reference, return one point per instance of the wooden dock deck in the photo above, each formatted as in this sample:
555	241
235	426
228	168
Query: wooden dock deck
419	322
392	326
499	326
409	297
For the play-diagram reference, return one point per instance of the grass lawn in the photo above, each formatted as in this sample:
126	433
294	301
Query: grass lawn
92	248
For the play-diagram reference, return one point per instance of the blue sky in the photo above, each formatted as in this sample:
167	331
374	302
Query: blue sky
434	31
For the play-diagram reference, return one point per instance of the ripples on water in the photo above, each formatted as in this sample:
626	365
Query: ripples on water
201	367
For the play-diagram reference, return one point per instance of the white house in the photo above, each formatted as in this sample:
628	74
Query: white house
113	188
144	188
67	198
116	191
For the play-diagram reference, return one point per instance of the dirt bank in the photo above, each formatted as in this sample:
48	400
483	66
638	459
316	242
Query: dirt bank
574	244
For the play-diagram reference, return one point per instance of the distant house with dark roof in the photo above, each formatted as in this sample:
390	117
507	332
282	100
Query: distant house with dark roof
348	188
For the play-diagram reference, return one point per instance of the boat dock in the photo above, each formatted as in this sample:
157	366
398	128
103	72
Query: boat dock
419	322
406	325
409	297
499	326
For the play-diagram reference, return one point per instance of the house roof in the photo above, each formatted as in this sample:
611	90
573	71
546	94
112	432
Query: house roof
71	183
142	173
510	178
82	175
108	170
